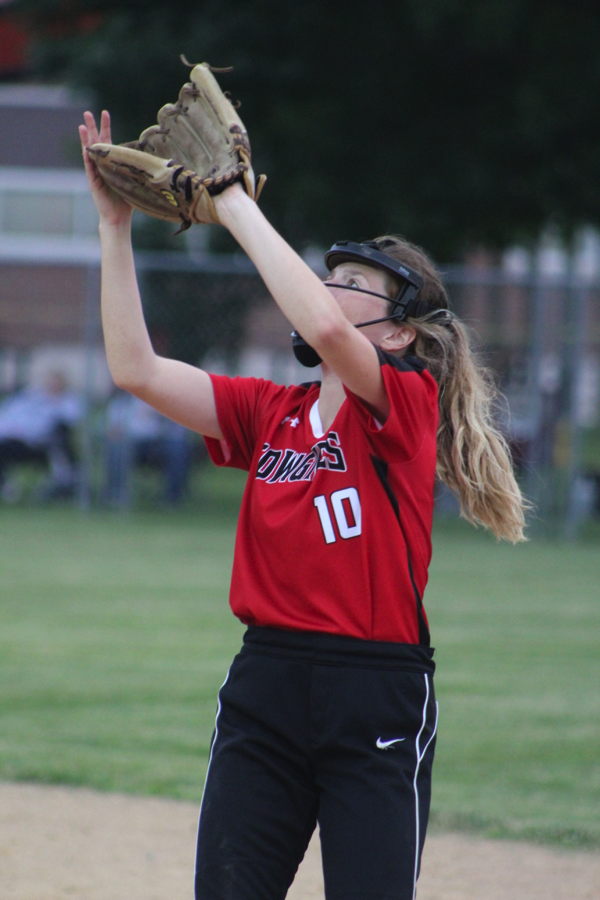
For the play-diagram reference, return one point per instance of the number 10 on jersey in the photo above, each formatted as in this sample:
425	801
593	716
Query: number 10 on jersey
345	528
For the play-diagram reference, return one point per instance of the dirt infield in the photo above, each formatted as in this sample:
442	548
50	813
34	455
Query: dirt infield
74	844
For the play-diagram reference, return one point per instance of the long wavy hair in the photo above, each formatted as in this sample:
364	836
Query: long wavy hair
473	457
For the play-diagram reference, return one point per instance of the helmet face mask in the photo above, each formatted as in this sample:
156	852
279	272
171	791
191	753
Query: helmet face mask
369	254
405	303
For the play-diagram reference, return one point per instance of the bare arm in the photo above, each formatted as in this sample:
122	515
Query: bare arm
304	300
182	392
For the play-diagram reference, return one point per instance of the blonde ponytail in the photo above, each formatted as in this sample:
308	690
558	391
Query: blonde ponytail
473	458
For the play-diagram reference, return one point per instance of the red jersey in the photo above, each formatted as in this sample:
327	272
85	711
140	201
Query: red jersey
334	532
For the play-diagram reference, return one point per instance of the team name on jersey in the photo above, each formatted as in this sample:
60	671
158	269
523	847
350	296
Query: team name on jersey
293	465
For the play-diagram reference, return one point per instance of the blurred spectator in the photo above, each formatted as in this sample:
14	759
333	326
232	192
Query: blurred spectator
36	426
137	435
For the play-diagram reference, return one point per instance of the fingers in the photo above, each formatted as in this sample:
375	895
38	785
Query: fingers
92	133
85	143
89	135
105	137
90	126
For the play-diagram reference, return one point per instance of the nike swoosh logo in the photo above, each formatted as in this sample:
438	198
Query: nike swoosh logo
385	745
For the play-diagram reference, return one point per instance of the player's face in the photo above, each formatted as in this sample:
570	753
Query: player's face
359	307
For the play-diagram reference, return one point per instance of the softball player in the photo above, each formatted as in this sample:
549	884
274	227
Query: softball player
328	713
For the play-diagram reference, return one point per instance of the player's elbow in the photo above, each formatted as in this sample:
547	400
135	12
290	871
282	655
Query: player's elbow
125	381
130	375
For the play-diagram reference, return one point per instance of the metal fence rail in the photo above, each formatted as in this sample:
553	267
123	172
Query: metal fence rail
540	334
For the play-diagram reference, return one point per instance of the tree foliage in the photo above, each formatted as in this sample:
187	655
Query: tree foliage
455	122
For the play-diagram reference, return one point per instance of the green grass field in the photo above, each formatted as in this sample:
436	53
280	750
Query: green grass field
115	635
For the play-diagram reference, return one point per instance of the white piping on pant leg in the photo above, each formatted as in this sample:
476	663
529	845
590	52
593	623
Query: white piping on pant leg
213	745
433	733
420	756
416	790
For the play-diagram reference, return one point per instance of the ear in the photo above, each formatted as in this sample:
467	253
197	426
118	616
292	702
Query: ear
398	338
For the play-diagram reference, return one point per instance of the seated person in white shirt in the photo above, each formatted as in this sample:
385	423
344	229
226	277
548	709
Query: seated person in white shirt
36	426
137	435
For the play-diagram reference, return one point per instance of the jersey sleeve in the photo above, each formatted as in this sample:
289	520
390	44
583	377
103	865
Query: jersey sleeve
242	404
413	417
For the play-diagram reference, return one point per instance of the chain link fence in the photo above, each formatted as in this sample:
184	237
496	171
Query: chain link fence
540	335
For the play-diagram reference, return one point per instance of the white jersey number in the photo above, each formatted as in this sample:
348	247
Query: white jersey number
337	502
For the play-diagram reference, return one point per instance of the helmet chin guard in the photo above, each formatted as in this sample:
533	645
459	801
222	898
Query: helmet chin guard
304	353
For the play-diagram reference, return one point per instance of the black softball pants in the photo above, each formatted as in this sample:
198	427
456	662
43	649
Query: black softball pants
318	728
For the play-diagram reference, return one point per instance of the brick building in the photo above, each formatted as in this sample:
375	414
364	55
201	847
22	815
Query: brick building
49	248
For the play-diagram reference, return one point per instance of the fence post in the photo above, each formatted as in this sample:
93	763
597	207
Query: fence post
91	335
537	470
578	301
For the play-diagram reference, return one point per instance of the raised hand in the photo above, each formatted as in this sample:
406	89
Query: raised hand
113	209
